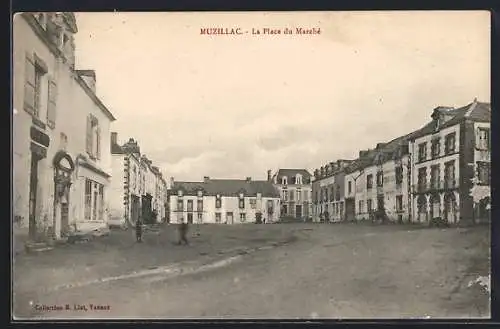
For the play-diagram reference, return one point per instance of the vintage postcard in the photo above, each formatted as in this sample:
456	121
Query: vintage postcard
251	165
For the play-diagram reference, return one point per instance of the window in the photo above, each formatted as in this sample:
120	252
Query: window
399	203
422	152
200	218
449	174
349	187
422	177
306	195
200	194
285	195
435	176
94	201
483	173
337	192
270	206
292	195
34	73
332	193
180	205
93	140
399	175
361	206
199	205
284	180
369	205
298	179
243	217
369	181
253	203
241	203
299	192
380	179
218	217
483	139
435	147
51	103
190	205
449	143
218	202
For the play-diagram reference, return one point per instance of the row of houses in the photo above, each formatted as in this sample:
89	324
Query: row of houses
440	171
65	175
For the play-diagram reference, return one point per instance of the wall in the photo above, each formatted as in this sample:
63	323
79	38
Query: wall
73	107
116	192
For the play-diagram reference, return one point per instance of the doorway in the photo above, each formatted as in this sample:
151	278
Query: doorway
229	218
33	194
350	209
298	211
190	218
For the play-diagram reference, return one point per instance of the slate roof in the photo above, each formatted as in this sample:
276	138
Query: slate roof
475	111
228	187
289	173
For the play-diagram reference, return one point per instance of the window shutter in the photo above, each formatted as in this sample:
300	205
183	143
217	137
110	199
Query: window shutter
52	103
29	85
98	143
88	140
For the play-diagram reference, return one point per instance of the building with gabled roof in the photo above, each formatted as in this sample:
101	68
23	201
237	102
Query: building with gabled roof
223	201
295	186
451	160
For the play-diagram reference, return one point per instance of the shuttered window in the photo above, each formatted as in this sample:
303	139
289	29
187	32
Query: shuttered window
52	103
98	142
29	85
88	141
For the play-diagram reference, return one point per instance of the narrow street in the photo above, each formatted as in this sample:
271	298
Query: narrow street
329	271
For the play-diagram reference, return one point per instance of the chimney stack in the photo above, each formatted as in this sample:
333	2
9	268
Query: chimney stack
269	178
206	179
249	179
114	138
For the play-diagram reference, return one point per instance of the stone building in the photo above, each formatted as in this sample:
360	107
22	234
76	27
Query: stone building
451	160
295	186
223	201
61	172
138	187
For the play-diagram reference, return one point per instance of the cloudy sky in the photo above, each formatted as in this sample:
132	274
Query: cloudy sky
234	106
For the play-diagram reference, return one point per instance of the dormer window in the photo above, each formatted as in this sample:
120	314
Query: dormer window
298	179
179	193
284	180
200	193
259	195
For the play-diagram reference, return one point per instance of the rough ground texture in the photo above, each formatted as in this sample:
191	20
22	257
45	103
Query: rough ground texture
328	271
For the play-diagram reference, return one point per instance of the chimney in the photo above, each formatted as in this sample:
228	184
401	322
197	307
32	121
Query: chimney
114	138
249	179
89	77
269	178
206	179
362	153
380	145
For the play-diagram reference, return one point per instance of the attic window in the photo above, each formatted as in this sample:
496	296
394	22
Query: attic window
284	180
298	179
200	193
179	193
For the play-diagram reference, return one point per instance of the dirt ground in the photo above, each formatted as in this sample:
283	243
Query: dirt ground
329	271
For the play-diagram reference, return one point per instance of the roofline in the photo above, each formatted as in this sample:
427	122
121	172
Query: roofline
28	17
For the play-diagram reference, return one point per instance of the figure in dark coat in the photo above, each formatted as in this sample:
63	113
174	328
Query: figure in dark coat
183	229
138	230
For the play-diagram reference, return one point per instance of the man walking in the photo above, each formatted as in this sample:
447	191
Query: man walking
138	230
183	229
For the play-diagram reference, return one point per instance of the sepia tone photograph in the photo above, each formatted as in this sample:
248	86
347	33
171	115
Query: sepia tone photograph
251	165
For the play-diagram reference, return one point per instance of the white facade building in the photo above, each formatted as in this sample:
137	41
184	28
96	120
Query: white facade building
223	201
61	171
